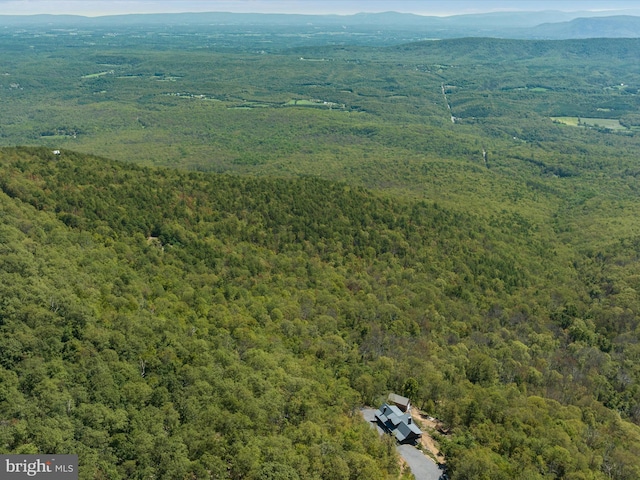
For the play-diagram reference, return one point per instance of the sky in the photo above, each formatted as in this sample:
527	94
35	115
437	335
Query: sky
341	7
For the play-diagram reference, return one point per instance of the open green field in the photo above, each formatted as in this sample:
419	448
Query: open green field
99	74
606	123
571	121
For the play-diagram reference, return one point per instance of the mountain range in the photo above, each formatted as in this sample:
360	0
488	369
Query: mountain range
524	25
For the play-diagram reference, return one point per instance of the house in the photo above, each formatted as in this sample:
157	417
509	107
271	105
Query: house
399	401
398	424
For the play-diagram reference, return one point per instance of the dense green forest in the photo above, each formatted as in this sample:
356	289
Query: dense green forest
457	221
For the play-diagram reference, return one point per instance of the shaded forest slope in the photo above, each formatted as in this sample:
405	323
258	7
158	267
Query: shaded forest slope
187	325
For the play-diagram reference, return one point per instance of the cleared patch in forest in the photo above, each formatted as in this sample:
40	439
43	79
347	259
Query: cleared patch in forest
99	74
608	123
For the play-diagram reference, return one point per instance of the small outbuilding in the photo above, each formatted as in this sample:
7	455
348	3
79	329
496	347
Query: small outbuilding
399	401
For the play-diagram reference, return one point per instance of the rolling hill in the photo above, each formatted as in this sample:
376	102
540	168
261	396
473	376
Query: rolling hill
175	324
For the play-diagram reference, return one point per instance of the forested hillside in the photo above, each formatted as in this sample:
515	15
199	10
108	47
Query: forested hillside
182	325
242	241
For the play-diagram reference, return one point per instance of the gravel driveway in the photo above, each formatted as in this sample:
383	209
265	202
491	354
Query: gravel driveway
422	467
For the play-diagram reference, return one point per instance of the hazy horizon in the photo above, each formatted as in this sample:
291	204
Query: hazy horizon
340	7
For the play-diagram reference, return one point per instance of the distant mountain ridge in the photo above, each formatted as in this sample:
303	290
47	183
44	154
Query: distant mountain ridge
545	24
621	26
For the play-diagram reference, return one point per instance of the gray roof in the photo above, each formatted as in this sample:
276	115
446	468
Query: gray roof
388	412
401	424
407	430
398	399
